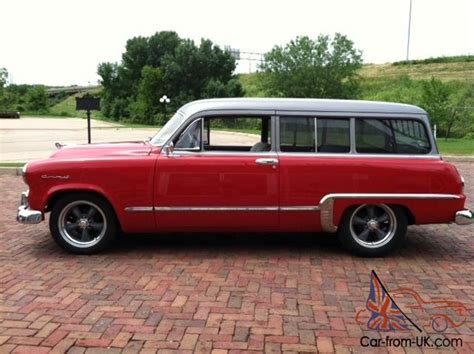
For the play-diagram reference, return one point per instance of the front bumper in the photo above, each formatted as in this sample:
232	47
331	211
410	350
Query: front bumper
25	215
464	217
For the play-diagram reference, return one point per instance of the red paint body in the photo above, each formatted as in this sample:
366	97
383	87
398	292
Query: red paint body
137	175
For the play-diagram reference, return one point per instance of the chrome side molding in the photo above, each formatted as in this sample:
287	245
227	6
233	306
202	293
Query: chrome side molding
325	206
327	203
139	209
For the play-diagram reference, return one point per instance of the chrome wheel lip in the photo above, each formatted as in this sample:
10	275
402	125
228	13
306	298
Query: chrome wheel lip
69	238
392	219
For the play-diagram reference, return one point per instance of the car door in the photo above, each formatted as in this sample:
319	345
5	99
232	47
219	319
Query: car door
213	190
311	152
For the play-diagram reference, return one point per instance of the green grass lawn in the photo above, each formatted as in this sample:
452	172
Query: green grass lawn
456	146
12	164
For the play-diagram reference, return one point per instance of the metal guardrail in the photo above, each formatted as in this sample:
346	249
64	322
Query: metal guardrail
71	89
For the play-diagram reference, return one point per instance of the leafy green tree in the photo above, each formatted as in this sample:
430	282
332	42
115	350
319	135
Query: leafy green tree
448	105
165	64
435	100
3	77
37	99
150	89
325	67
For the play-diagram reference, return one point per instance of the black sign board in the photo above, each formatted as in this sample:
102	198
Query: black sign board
87	104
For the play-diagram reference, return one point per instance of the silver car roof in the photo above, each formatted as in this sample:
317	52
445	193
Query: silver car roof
298	104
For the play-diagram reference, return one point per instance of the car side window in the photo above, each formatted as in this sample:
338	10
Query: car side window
190	138
238	134
391	136
297	134
333	135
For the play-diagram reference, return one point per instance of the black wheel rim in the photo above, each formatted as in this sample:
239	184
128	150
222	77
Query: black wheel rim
82	223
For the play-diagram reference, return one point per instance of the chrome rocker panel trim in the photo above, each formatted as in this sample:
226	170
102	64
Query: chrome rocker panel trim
325	207
327	203
464	217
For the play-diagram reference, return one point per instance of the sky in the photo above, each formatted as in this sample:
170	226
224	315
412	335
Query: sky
60	42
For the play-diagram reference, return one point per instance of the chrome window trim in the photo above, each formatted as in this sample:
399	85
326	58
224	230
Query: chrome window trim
278	147
275	114
427	129
352	136
208	113
360	155
315	134
225	153
184	131
349	114
202	115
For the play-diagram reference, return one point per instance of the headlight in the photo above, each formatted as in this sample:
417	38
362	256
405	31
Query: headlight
23	173
462	183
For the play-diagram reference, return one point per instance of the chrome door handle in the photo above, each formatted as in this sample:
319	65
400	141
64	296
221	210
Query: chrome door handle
271	162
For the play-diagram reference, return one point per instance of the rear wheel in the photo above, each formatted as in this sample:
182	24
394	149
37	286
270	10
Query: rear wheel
373	229
82	223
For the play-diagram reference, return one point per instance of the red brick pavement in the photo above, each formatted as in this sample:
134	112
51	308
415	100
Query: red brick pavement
213	293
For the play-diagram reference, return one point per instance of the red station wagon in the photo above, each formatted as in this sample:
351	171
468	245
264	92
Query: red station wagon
363	170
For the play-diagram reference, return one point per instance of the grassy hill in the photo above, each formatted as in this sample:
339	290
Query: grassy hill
444	71
376	77
67	107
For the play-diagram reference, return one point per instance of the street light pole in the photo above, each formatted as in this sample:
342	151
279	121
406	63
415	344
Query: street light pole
409	29
164	100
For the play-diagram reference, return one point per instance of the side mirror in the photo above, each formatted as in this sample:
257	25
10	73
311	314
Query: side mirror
169	149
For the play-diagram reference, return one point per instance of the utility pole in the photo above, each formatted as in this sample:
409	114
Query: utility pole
409	29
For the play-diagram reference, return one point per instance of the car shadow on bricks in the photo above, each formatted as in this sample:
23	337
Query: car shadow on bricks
226	242
420	242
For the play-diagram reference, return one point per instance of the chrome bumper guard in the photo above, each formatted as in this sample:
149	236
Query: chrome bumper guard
26	215
464	217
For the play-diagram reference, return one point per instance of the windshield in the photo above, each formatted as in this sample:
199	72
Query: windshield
165	133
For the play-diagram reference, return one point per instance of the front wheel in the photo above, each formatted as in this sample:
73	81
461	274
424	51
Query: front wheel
82	223
373	229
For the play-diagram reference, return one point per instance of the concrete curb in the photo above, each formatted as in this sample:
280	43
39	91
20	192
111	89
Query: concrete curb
12	171
454	158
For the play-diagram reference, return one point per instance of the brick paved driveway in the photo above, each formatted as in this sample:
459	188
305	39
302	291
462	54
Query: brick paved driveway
214	292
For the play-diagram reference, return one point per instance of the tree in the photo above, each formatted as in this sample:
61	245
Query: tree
3	77
37	99
165	64
325	67
447	104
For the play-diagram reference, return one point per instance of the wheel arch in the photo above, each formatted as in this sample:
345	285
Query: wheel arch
410	216
56	195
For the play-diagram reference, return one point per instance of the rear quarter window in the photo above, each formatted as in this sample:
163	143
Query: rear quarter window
391	136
